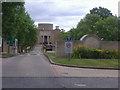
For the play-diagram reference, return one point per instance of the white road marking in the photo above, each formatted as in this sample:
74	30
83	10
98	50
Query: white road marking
28	54
21	55
80	85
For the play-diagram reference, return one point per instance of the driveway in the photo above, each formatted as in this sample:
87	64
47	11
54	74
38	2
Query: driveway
33	70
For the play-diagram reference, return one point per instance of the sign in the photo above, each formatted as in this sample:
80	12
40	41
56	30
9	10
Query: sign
68	38
11	42
68	47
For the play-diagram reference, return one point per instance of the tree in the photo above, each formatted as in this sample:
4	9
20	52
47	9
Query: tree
0	19
103	12
100	22
85	26
63	34
108	29
88	23
18	24
9	19
74	33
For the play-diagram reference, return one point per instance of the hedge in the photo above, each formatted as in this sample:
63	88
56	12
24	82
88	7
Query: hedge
81	51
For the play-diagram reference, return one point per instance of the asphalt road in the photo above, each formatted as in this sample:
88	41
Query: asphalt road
33	64
59	82
33	70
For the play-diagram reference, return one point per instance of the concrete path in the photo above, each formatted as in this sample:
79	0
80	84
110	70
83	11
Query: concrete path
80	72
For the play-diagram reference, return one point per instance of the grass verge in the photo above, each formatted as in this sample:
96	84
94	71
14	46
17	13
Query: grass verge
113	63
7	55
88	62
51	54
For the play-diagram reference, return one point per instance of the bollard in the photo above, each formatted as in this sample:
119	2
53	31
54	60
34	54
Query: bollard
44	50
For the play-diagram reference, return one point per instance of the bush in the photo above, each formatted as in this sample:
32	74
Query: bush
109	54
81	51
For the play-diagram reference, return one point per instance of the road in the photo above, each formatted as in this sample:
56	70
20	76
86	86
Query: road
33	64
33	70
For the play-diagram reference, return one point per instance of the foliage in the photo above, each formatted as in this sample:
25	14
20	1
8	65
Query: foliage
108	29
88	62
103	12
18	24
9	19
81	51
73	33
63	34
51	54
0	19
100	22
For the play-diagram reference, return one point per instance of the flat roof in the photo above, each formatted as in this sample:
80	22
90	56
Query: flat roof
45	24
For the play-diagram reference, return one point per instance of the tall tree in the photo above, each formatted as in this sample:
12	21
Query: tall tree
88	23
63	34
108	29
18	24
74	33
103	12
10	12
0	19
85	26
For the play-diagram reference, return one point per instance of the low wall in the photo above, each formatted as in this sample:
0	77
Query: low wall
5	47
60	46
112	45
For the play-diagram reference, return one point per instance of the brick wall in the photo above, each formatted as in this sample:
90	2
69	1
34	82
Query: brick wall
45	26
60	46
112	45
5	47
56	35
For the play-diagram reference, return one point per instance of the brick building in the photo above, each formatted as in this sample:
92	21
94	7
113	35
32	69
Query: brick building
47	35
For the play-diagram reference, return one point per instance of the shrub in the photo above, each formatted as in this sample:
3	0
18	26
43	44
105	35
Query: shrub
81	51
95	53
109	54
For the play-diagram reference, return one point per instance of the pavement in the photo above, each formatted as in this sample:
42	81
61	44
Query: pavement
81	72
33	70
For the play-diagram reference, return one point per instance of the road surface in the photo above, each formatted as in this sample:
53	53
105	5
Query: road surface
33	70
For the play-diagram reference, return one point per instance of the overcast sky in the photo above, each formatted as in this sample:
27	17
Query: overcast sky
65	13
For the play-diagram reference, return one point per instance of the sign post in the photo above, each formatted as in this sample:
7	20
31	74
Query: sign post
12	45
68	46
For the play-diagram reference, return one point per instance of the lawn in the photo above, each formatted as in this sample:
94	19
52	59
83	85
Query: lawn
7	55
51	54
86	62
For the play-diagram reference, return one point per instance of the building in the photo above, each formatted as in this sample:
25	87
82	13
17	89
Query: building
47	35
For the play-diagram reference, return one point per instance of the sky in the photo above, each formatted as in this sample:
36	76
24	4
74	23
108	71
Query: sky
65	13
